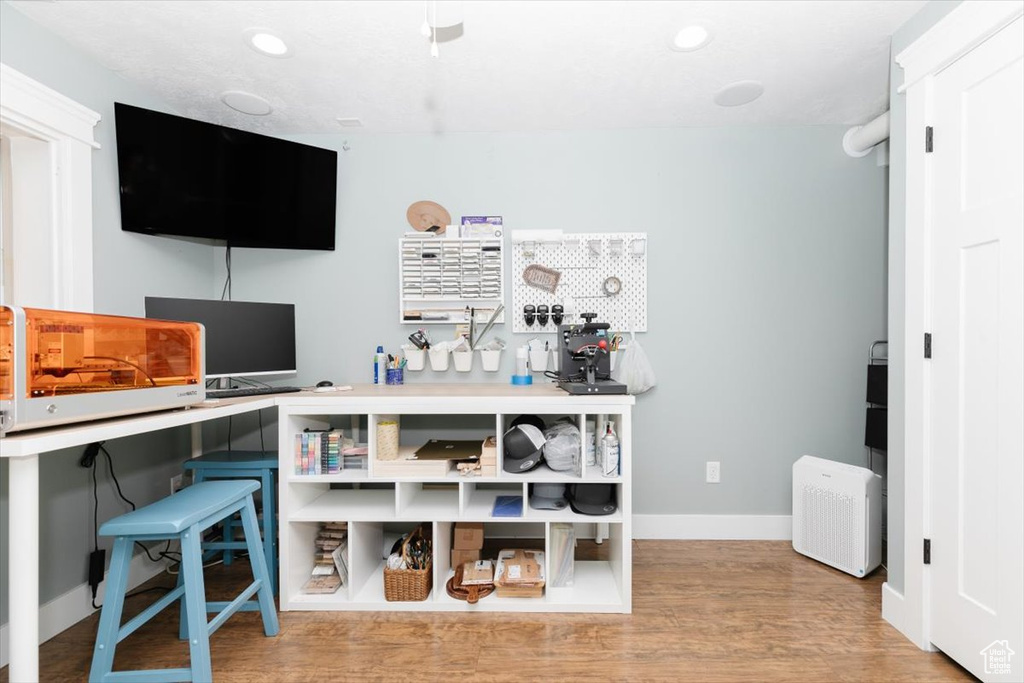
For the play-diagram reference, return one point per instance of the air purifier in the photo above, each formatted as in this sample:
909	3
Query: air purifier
837	514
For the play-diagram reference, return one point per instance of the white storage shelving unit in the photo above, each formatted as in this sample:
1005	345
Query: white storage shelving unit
440	277
368	500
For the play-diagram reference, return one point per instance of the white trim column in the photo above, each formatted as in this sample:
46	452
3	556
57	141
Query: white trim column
31	109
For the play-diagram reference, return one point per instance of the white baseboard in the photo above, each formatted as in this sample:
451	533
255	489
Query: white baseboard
65	611
714	527
894	607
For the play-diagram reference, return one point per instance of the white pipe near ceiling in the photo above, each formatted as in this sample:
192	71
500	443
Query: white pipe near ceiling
858	141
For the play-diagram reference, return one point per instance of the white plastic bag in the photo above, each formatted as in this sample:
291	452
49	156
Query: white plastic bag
633	369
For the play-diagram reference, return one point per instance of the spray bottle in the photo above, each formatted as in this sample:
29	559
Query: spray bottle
610	452
380	364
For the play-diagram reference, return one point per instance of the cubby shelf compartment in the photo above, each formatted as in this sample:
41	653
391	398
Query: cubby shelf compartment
348	504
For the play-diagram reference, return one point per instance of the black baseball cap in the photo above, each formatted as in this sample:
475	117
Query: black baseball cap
592	499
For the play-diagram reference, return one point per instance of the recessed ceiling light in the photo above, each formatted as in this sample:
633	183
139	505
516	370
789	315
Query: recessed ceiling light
690	38
246	102
350	123
266	42
738	93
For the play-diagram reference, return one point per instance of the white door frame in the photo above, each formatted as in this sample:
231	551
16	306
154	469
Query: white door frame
963	29
30	108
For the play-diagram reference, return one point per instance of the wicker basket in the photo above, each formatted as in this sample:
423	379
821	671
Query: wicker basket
405	585
408	585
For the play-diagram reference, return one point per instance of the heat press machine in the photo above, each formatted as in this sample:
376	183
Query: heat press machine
585	366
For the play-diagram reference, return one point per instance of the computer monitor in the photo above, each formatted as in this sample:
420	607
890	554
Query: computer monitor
243	338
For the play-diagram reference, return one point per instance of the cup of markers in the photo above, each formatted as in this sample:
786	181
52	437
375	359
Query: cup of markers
395	370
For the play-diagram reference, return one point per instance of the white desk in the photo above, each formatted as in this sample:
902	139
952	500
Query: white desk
23	449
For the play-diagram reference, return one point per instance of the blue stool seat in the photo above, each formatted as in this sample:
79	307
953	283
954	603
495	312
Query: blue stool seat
183	517
242	465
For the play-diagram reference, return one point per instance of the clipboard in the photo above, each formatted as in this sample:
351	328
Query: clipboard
447	449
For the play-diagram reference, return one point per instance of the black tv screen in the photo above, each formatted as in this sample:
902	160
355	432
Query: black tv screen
242	337
194	179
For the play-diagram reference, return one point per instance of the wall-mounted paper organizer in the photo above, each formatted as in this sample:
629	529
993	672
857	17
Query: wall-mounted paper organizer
603	273
439	277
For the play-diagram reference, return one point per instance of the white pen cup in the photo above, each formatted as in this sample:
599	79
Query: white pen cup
539	360
438	359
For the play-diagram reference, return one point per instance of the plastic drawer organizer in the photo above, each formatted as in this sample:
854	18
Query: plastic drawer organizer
385	499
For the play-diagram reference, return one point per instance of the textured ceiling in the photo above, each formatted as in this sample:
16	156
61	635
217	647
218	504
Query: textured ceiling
519	66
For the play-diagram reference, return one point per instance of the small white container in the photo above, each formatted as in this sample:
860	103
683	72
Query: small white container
463	361
415	359
438	359
522	356
539	360
612	355
490	359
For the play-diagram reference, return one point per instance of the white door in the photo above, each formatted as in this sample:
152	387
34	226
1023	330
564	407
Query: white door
977	315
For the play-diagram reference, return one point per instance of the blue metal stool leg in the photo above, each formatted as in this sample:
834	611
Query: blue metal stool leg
110	615
265	594
195	598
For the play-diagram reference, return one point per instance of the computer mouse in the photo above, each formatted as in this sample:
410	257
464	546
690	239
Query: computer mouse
324	383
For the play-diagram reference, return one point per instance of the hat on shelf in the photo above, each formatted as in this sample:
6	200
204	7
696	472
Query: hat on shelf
562	446
427	216
548	497
592	499
522	445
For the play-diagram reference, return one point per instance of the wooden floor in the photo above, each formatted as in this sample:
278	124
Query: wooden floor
702	611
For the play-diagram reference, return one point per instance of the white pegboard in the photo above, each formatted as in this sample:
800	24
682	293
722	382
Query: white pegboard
585	261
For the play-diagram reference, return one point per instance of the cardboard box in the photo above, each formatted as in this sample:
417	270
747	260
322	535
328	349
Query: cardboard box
464	556
489	457
468	536
519	574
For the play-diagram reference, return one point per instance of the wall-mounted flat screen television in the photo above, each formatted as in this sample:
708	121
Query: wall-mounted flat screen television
193	179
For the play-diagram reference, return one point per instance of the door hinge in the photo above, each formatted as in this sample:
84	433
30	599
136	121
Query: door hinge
927	344
927	551
928	139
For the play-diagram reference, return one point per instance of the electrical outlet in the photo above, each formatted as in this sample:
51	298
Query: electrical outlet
714	472
177	483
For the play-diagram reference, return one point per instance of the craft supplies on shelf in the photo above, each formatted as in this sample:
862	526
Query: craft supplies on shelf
440	279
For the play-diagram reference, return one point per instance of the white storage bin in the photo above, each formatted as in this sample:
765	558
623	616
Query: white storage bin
490	359
438	359
415	359
463	361
539	360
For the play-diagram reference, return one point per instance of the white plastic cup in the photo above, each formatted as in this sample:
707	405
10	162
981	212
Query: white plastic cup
612	355
438	359
415	359
490	359
463	361
539	360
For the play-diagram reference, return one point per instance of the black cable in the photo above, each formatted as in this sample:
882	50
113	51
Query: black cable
229	433
227	280
95	510
120	360
117	484
263	446
163	554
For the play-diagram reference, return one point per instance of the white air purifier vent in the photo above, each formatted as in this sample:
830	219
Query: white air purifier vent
837	514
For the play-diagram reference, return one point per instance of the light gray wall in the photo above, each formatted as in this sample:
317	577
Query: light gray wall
127	267
907	34
766	281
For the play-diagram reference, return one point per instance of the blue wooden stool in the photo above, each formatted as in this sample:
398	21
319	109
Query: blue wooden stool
243	465
183	516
